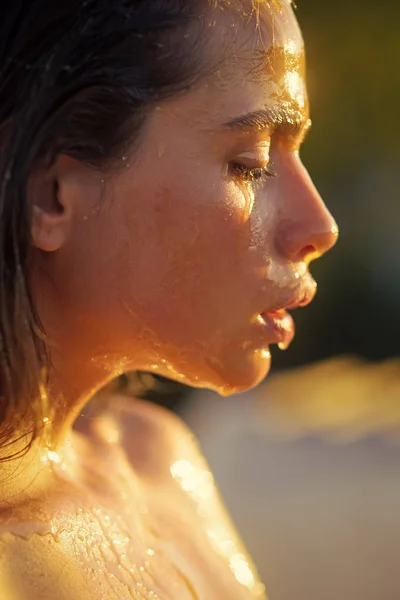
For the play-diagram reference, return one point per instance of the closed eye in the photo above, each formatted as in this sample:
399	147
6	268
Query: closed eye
250	174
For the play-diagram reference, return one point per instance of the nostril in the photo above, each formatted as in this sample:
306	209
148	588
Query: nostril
322	242
308	253
306	239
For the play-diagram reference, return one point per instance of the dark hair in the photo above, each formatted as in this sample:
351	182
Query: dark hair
76	77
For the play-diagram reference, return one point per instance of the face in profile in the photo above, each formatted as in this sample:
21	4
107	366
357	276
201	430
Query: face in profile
183	261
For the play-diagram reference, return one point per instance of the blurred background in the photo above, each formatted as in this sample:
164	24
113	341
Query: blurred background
309	463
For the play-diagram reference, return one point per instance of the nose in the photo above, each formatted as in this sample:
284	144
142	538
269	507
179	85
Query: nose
306	229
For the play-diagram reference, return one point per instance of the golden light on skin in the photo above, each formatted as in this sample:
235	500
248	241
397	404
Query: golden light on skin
53	457
291	47
238	563
120	364
266	354
240	567
294	85
198	482
276	4
259	158
49	456
100	536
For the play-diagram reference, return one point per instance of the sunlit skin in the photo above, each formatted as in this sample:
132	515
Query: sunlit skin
165	265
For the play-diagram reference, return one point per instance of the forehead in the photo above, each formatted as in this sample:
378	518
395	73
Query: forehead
264	46
277	24
260	64
263	61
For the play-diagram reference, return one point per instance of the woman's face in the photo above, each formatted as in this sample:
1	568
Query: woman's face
168	264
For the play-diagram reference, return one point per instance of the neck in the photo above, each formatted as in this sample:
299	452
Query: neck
27	467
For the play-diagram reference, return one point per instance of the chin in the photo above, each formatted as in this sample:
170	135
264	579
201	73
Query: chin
226	373
236	374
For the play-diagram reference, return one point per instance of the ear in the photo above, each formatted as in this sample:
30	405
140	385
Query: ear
51	211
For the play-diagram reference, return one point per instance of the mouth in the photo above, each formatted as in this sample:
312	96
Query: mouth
280	326
279	323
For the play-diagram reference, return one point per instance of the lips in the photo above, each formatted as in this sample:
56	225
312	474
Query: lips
280	325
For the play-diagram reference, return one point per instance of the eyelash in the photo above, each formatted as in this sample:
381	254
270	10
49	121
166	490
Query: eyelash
251	174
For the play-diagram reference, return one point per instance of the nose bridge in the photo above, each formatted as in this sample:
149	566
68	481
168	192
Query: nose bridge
306	228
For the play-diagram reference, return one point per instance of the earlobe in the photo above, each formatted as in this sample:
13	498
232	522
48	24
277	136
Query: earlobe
49	217
47	230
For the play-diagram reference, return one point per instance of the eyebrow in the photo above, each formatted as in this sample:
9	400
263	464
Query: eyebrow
288	122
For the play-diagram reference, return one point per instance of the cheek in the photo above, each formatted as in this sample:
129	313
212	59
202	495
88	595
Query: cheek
189	257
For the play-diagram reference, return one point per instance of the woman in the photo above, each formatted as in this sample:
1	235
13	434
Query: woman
155	215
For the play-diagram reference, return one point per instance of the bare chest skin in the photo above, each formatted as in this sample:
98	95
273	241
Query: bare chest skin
137	516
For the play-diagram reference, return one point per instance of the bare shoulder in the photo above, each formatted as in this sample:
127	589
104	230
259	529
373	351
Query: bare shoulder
153	437
33	567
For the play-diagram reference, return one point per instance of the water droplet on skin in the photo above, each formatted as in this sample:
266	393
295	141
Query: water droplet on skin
249	202
55	535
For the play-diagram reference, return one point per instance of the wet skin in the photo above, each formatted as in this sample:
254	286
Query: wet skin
165	265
